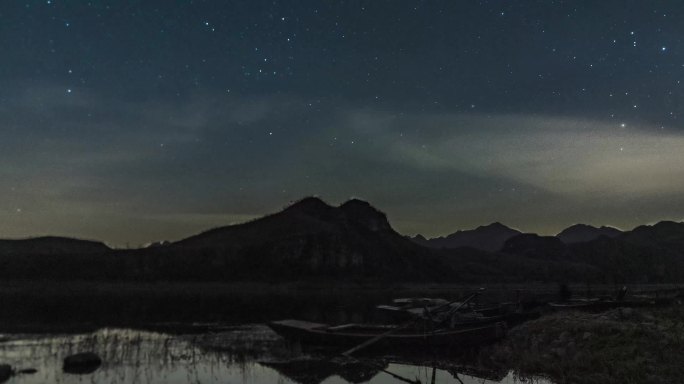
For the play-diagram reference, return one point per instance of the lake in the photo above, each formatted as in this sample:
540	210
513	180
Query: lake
210	333
248	353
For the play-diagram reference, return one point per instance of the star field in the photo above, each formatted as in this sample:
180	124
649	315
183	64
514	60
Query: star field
132	121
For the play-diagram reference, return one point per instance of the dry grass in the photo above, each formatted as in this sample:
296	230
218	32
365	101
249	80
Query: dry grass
619	346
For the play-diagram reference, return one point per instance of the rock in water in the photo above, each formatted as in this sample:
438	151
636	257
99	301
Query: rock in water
5	372
82	363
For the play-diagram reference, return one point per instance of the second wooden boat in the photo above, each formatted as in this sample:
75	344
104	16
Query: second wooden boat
394	336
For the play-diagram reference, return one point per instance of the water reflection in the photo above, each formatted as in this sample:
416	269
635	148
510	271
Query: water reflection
325	371
242	354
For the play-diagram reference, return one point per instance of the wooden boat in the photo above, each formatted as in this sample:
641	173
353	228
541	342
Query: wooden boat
659	294
466	317
355	334
576	304
600	305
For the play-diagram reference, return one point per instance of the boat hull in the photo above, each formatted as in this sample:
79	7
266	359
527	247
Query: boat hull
606	305
322	334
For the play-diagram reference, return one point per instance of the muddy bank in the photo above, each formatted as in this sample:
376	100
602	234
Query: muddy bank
618	346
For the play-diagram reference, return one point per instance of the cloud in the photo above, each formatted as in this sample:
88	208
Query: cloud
540	172
88	165
571	157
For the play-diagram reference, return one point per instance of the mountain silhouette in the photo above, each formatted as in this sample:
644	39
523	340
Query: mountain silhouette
581	232
665	234
487	238
534	246
647	254
311	240
51	245
54	257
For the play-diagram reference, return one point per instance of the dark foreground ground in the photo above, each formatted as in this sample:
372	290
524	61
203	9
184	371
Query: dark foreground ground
616	346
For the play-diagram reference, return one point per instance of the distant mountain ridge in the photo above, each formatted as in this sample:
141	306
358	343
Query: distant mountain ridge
581	232
51	245
487	238
667	234
312	240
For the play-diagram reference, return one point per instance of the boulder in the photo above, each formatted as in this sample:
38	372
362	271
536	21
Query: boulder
5	372
82	363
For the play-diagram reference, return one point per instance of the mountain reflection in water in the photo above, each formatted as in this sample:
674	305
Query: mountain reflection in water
238	354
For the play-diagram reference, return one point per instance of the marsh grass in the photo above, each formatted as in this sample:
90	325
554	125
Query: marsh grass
619	346
128	356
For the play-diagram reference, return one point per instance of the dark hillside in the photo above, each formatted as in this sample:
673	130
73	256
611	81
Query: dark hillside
486	238
581	232
307	239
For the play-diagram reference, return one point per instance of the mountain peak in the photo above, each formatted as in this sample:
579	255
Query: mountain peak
490	237
418	237
358	203
579	226
578	233
310	205
662	232
364	213
668	224
496	226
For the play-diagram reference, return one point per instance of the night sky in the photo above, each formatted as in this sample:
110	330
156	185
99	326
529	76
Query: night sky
137	121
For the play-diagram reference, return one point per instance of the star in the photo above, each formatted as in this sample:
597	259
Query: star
397	74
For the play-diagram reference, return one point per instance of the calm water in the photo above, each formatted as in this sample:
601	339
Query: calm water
237	354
